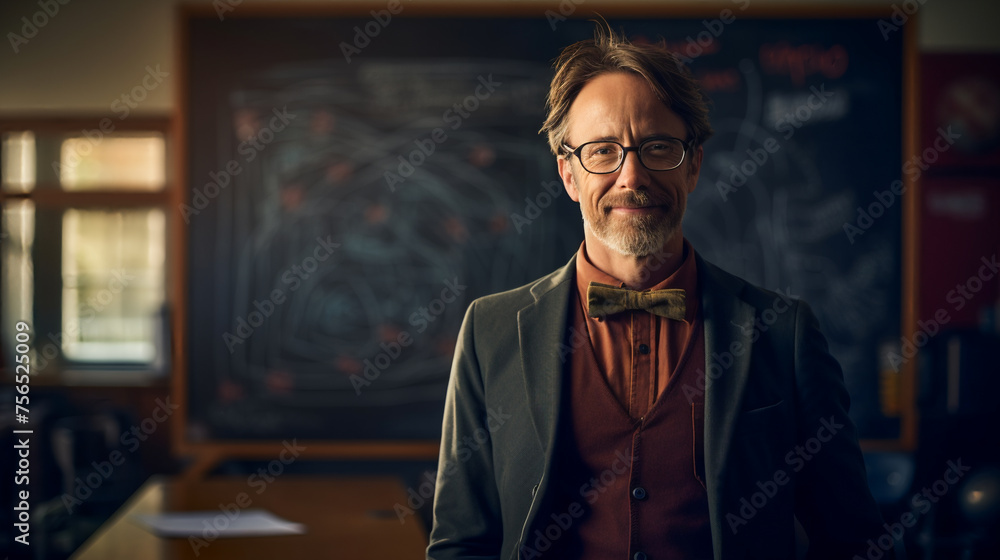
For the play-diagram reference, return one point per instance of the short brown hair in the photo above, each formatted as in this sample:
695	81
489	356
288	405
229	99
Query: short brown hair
608	51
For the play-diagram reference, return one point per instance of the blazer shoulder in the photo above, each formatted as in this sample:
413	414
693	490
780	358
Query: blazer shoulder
513	300
757	297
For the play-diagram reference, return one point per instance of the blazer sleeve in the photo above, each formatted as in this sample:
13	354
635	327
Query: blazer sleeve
467	521
832	498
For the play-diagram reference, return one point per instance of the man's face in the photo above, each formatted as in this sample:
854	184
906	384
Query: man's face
633	211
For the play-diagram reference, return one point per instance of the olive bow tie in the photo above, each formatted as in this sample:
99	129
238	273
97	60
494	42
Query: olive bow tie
604	300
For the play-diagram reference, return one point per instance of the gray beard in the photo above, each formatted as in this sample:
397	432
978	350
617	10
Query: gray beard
642	237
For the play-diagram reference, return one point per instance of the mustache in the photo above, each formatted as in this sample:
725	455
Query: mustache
631	199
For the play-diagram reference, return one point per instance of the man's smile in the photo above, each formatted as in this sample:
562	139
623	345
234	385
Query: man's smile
634	210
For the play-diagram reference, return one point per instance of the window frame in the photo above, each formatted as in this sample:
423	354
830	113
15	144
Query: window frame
49	196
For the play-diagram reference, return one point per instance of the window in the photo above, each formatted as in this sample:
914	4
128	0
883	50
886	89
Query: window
119	163
84	247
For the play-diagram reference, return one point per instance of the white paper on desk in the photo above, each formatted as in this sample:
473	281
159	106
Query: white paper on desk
249	523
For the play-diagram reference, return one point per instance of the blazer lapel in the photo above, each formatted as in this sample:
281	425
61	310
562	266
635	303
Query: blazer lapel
541	330
728	320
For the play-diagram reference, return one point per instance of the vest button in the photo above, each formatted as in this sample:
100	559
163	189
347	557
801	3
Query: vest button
639	556
639	493
534	489
644	349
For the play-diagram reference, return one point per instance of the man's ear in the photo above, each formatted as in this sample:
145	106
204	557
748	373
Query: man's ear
566	174
694	168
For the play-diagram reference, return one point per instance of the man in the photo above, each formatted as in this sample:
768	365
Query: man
640	402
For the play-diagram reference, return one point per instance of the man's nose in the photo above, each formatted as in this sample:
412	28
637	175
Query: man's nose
633	174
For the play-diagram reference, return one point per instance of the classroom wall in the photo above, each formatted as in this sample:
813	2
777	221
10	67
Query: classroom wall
91	52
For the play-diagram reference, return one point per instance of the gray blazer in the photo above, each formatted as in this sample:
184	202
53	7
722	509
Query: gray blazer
771	385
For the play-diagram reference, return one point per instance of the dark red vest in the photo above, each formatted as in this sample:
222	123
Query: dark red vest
631	487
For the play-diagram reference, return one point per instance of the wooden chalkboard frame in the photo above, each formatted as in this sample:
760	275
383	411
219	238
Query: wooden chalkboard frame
207	454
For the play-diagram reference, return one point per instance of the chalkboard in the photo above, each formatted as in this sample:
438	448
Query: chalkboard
352	186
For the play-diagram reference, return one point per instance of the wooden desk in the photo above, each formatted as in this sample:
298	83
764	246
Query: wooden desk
345	517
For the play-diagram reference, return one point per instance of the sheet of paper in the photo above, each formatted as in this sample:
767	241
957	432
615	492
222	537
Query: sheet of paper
249	523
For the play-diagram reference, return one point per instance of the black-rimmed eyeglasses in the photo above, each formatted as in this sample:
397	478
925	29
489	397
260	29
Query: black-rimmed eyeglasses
655	154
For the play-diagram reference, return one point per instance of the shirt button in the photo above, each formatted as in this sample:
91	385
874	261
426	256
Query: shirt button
644	349
639	493
639	556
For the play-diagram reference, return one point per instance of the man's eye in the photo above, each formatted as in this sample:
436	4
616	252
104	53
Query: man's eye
657	147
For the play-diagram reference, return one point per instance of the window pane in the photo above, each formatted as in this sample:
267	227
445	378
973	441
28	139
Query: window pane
113	284
16	239
18	157
135	163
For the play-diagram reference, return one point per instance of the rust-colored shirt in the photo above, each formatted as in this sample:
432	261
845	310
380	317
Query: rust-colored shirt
635	350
